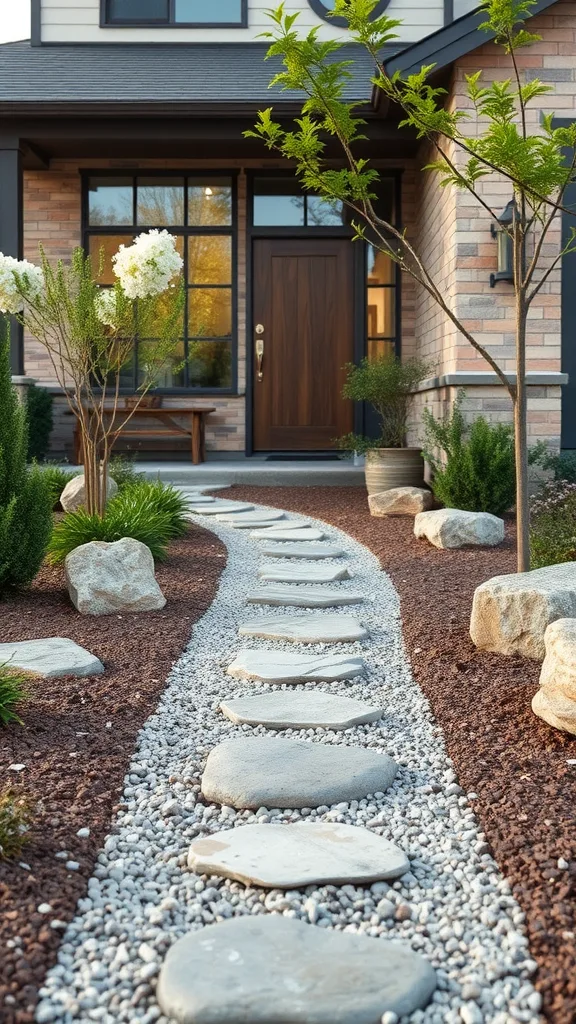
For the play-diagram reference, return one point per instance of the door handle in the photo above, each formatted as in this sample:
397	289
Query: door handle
259	350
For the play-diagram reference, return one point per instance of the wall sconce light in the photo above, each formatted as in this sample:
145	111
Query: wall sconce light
505	270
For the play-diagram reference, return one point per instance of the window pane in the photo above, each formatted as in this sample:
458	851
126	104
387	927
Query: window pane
381	312
209	202
210	364
217	11
173	374
324	213
160	202
210	312
110	201
210	259
378	349
278	211
380	269
138	10
110	244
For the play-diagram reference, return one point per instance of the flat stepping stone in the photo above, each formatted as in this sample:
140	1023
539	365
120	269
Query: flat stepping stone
200	499
250	518
271	772
304	597
273	970
300	710
305	533
51	657
285	667
294	856
303	573
306	629
219	507
270	527
313	551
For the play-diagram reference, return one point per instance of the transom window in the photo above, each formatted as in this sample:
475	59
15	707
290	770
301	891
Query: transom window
193	13
280	202
199	211
322	8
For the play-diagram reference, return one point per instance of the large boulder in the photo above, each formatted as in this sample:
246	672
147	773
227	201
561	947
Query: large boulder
74	494
510	613
453	528
400	501
107	578
555	701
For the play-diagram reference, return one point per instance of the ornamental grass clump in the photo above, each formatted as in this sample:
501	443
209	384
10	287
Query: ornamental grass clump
15	819
151	513
13	692
473	466
553	524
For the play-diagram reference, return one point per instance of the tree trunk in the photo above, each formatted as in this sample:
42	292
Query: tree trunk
520	406
95	484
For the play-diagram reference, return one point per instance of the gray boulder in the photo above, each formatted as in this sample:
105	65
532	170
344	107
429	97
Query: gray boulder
104	579
453	528
74	494
400	501
510	614
555	701
273	970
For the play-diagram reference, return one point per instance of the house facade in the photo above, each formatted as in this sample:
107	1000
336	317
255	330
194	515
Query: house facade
122	115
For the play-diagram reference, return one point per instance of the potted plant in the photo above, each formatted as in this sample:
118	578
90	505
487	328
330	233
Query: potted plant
387	384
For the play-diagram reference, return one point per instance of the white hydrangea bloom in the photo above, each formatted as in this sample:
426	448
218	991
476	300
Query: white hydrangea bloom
106	307
32	281
148	265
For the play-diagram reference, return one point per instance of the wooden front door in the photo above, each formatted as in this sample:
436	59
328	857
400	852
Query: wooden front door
303	319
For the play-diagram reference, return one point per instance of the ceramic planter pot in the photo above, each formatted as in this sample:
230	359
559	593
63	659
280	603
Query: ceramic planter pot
393	467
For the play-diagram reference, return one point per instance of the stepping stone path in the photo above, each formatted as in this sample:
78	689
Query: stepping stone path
270	772
273	970
303	597
307	629
52	657
294	856
219	507
314	551
301	710
286	667
312	573
277	533
200	499
250	518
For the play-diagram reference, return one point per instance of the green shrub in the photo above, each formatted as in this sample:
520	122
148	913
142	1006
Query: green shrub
25	504
149	512
476	472
387	384
40	422
56	479
121	469
553	524
15	818
13	691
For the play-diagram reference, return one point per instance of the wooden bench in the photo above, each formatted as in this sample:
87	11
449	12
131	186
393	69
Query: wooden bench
195	428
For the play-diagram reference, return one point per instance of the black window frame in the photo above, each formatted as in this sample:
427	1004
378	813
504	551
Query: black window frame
319	9
185	230
107	21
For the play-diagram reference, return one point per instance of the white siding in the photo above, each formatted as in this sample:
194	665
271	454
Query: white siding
78	21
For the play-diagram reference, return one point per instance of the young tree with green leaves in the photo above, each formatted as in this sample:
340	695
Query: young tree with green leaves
534	162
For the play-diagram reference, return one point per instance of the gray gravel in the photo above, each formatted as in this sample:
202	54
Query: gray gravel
453	906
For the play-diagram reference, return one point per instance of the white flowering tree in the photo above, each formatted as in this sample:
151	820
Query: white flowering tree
90	333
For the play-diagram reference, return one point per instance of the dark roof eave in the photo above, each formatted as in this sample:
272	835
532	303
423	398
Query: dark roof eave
137	108
445	46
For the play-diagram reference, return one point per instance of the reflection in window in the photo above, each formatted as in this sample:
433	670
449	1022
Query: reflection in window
380	302
280	202
199	11
198	210
138	10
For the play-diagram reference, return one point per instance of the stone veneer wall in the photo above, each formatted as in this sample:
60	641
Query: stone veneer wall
454	236
52	215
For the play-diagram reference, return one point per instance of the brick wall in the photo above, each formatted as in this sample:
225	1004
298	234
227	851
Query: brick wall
454	236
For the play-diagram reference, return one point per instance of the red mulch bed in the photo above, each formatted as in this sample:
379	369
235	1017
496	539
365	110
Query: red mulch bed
75	762
514	762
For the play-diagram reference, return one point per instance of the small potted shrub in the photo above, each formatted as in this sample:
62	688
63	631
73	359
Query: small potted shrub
386	384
